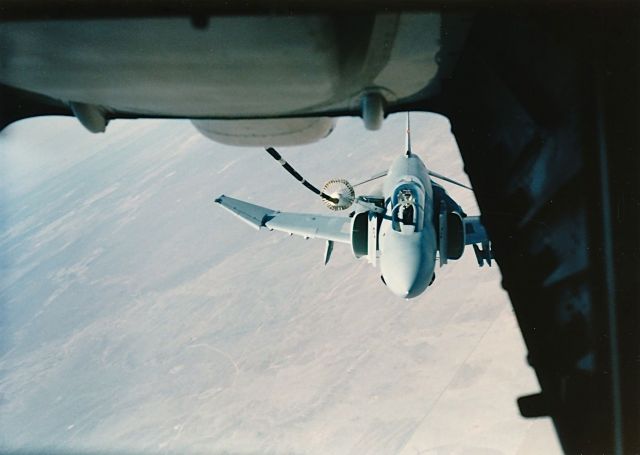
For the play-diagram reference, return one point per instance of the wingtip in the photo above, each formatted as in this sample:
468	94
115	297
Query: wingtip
218	200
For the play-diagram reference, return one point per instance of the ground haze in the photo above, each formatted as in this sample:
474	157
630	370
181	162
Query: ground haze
138	315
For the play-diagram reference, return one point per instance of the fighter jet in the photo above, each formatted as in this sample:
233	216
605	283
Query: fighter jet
404	230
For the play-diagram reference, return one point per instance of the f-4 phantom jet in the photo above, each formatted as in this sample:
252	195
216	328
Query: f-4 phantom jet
404	229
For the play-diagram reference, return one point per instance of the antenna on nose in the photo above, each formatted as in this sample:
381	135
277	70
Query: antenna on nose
407	144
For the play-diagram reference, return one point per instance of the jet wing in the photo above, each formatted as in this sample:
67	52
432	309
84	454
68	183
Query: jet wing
474	231
310	226
474	234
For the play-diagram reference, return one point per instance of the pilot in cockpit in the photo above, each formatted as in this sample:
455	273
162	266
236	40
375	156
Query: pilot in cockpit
405	210
406	216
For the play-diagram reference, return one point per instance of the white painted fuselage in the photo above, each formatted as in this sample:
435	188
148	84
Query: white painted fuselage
407	239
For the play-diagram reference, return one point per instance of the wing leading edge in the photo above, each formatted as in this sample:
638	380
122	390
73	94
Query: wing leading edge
474	234
333	228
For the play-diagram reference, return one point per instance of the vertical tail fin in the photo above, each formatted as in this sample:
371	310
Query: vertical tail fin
408	137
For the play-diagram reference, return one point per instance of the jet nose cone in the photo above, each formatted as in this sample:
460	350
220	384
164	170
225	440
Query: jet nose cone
406	264
403	287
401	277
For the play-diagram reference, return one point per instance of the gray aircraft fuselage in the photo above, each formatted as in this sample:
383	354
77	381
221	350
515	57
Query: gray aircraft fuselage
400	230
408	240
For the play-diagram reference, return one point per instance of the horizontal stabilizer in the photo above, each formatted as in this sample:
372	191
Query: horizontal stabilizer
254	215
447	179
372	178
